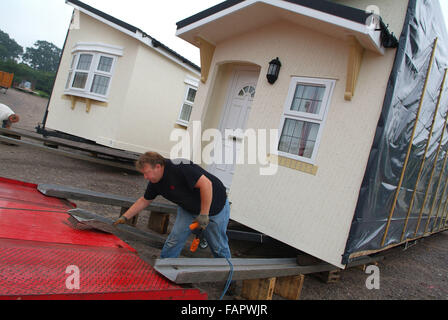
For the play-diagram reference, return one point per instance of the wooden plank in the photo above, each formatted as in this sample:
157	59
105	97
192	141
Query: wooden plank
158	222
289	287
258	289
187	270
66	192
67	153
124	231
118	154
332	276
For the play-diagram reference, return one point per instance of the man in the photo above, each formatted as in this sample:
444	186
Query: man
200	197
7	116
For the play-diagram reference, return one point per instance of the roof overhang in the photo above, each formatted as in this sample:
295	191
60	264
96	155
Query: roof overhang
238	16
135	33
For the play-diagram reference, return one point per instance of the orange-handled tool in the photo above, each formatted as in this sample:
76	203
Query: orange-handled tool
194	227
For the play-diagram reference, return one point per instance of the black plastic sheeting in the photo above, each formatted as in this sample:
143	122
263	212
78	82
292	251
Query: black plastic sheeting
424	23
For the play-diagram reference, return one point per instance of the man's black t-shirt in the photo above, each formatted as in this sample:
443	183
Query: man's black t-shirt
177	185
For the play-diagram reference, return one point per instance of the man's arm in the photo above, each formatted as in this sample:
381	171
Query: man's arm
206	189
136	208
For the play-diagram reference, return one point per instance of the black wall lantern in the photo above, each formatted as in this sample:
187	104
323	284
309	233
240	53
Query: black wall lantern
273	71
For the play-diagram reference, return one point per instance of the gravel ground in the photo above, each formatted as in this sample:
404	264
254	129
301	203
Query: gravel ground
419	272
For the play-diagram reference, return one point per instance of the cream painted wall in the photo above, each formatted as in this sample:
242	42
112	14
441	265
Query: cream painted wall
100	121
310	213
217	100
393	12
146	95
154	99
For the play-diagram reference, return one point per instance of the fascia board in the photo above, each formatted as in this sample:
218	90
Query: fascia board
138	36
358	28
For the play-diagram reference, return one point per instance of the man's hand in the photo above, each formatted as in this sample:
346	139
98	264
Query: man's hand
203	220
121	220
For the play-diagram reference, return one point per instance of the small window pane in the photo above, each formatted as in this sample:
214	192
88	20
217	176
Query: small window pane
73	62
186	112
247	90
68	80
308	98
191	95
298	137
105	64
100	84
84	61
80	80
252	91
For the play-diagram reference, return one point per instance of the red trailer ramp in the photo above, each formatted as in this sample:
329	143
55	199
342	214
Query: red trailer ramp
42	257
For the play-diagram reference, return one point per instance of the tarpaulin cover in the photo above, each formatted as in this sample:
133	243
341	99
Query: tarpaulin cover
427	205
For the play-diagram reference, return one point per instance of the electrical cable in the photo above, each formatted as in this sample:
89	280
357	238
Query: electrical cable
229	279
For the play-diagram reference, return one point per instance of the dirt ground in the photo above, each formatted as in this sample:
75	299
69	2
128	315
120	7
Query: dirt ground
419	272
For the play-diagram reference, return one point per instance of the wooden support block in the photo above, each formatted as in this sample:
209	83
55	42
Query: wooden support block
363	267
328	276
158	222
131	222
51	145
258	289
12	136
289	287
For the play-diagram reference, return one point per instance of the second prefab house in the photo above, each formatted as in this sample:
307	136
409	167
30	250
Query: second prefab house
119	87
330	79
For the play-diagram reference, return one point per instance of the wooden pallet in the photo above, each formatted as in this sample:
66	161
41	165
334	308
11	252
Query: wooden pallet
158	222
263	289
328	276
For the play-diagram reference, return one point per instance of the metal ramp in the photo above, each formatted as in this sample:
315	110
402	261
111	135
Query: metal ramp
38	245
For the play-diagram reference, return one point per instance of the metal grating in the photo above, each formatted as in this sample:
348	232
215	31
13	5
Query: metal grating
28	268
38	244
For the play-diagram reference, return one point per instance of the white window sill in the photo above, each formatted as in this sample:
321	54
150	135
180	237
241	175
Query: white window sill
296	158
85	95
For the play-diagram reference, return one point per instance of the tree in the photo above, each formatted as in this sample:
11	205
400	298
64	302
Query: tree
9	49
44	56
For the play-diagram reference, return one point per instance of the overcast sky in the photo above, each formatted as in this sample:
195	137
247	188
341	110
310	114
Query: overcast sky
27	21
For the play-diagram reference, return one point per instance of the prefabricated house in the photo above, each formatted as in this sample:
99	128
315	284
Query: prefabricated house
361	116
119	87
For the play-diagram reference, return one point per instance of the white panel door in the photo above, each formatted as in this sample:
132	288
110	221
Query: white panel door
236	112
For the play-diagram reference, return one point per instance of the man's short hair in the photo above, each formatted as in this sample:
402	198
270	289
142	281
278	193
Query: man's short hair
14	118
151	158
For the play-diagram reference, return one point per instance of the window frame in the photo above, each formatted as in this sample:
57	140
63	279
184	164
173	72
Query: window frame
188	86
304	116
96	52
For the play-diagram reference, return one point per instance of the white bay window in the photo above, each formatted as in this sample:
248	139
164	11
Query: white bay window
91	70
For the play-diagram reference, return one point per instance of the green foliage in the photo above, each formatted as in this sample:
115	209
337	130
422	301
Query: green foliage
41	62
43	80
43	57
9	49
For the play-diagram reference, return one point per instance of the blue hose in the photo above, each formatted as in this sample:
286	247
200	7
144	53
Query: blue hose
229	279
